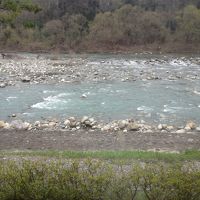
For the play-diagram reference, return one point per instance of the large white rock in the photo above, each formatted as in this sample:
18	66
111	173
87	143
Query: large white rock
2	124
191	125
85	118
160	127
181	131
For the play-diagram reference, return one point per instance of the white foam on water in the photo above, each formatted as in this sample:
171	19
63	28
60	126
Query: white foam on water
177	63
196	92
10	98
145	109
48	91
52	102
173	109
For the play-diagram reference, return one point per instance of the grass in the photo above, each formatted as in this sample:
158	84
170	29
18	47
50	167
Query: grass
189	155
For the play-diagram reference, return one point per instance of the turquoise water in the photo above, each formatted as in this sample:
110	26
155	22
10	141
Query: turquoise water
153	101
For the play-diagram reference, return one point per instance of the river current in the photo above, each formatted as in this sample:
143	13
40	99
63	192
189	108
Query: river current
154	101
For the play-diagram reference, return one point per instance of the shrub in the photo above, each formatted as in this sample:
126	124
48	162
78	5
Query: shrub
95	180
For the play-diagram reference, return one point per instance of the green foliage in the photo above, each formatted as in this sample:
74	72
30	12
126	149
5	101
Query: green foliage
101	24
95	180
189	24
128	25
10	9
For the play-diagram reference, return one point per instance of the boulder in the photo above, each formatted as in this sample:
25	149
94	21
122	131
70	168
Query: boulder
19	125
37	123
133	126
160	127
85	118
170	128
26	79
7	126
198	129
190	125
67	123
52	124
2	124
106	128
122	124
71	122
3	85
181	131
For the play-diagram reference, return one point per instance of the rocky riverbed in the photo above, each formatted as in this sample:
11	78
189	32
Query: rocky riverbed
35	69
90	124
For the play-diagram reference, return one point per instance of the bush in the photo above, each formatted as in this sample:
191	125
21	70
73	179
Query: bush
95	180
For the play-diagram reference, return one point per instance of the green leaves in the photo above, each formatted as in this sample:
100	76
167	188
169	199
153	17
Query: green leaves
97	180
10	9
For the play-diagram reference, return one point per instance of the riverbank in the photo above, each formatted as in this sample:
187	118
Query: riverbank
83	136
47	68
170	47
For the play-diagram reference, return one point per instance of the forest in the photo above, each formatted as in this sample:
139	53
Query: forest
99	25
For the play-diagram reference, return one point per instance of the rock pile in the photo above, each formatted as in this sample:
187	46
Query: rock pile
88	123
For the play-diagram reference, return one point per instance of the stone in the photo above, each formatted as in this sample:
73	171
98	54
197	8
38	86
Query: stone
45	125
3	85
191	125
123	124
26	79
198	129
14	115
71	122
52	124
72	119
67	122
19	125
170	128
148	131
85	118
160	127
91	120
106	128
83	96
37	123
7	126
187	128
164	126
181	131
2	124
133	126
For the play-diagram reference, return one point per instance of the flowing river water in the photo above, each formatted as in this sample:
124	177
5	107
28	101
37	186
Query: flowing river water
155	101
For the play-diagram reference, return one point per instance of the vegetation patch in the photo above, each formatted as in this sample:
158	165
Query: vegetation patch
97	180
189	155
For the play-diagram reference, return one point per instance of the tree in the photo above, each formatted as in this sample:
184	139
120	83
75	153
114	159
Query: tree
76	27
10	9
189	24
54	31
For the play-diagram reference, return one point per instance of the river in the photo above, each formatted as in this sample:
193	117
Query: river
157	100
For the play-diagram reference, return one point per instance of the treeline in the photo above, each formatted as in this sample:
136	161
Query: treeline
81	25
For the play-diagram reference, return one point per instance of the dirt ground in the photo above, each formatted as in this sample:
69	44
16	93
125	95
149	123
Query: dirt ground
85	141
